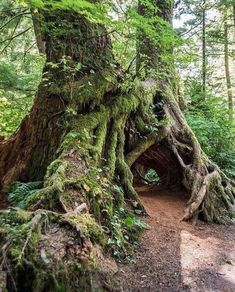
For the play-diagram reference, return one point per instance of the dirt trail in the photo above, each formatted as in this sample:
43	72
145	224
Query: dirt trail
176	256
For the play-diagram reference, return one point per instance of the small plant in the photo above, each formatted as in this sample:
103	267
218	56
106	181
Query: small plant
19	191
152	176
126	229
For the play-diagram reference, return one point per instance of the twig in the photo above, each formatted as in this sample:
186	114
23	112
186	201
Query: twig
18	22
14	17
130	65
15	36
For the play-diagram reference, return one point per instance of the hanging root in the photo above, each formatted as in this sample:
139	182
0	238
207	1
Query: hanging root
212	193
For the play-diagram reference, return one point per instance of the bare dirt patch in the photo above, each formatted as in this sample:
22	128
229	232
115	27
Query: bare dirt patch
176	256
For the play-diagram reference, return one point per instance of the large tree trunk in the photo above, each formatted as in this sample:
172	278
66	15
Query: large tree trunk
96	132
74	130
26	155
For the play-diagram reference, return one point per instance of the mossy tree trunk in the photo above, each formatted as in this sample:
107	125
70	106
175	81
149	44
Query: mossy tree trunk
26	155
86	133
74	137
178	157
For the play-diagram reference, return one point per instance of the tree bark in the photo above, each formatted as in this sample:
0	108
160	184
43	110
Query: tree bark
234	18
204	49
38	31
26	155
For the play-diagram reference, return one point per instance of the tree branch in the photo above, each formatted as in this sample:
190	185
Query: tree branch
14	17
15	36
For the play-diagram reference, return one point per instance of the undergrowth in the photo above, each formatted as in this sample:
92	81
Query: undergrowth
19	191
209	119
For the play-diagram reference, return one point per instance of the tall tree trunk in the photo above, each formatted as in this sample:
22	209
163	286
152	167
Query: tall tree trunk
226	64
38	31
234	18
204	49
75	129
26	155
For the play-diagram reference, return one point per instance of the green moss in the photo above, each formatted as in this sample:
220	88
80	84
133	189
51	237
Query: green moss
89	227
123	105
54	184
123	170
56	173
25	233
216	205
19	216
140	124
74	140
92	120
99	140
89	90
110	151
118	197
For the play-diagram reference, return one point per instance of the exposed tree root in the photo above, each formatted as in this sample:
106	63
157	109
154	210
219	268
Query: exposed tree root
212	193
80	182
174	152
91	158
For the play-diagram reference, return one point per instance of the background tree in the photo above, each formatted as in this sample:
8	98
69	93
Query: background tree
214	107
204	47
21	66
226	61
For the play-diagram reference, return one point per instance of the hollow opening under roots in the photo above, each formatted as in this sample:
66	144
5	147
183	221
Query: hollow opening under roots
158	161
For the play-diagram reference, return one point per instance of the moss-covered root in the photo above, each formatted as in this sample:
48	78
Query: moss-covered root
56	251
123	170
212	193
210	196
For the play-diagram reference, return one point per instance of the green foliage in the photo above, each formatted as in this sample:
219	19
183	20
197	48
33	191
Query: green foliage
152	176
20	65
18	83
19	192
94	12
125	231
210	121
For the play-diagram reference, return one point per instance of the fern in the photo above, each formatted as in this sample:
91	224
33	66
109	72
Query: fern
20	191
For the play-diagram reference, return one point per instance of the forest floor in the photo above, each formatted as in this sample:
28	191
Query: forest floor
177	256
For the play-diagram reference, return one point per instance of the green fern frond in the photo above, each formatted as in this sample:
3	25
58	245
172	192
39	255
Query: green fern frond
19	191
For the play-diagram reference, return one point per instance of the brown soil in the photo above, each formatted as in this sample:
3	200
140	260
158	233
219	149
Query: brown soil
176	256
